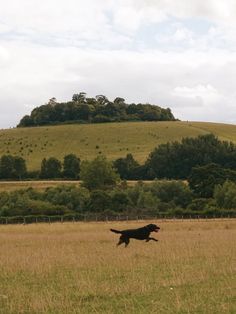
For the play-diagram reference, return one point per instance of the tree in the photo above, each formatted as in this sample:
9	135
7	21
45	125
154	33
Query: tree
12	167
147	200
203	179
225	195
26	121
81	97
102	100
176	192
126	167
175	160
96	110
99	201
7	167
119	100
52	101
19	167
73	197
43	171
50	168
119	200
98	174
71	166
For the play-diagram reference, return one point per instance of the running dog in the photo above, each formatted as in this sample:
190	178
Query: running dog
139	234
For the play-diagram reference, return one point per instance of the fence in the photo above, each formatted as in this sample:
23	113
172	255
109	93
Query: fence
107	218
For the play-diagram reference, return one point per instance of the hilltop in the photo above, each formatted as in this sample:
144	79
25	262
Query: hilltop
111	139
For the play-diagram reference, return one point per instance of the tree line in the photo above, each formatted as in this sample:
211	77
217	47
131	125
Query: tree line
159	197
14	168
82	109
192	159
211	186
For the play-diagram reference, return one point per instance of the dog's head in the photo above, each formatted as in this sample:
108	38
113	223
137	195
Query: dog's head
153	228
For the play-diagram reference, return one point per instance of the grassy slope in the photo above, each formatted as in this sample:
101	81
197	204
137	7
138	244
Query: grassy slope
76	268
112	139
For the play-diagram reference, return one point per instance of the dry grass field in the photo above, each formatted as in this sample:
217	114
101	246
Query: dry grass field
38	185
76	268
8	186
114	140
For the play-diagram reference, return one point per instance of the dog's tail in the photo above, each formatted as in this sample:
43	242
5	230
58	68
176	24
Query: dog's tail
116	231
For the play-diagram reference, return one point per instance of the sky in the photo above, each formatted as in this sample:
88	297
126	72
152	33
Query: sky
179	54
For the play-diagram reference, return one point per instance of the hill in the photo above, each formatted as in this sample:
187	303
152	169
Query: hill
111	139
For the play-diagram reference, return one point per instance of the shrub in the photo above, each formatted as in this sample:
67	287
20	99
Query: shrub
225	195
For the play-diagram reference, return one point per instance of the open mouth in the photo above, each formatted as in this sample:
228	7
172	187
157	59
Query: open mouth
156	230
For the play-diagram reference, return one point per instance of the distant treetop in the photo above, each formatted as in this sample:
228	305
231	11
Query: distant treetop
82	109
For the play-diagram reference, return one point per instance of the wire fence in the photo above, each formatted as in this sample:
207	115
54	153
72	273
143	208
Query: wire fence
109	218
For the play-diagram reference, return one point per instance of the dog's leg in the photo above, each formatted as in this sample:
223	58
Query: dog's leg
120	242
126	242
148	239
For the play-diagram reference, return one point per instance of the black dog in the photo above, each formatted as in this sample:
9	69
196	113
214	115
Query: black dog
139	234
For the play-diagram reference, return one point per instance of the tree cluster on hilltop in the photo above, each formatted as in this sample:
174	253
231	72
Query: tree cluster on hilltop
82	109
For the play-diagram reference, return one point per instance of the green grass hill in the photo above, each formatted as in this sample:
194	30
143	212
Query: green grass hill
114	140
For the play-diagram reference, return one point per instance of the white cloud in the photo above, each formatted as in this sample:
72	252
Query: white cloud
182	34
206	93
143	50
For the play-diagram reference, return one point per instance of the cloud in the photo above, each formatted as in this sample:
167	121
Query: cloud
181	81
177	54
206	93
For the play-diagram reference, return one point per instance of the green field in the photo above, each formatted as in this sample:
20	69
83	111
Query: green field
77	268
114	140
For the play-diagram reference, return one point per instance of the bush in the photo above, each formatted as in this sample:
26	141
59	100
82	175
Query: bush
176	192
225	195
199	204
99	201
119	201
98	174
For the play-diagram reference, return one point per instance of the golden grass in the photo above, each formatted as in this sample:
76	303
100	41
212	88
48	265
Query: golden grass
76	268
9	186
38	185
114	140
